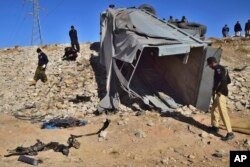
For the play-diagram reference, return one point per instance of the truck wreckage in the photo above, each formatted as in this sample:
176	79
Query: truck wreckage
153	60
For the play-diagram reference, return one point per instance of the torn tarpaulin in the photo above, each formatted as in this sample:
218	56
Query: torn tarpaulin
63	123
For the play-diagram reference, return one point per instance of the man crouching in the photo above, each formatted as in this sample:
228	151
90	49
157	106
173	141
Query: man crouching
40	70
70	54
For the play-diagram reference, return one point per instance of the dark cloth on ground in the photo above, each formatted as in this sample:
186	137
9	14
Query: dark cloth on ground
63	123
40	146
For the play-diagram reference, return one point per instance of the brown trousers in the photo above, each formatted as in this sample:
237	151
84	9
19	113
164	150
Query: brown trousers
219	109
40	74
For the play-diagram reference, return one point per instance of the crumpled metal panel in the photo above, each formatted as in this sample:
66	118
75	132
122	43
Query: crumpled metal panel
206	82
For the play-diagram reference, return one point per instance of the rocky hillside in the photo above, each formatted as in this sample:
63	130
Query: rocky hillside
236	56
66	81
86	78
146	139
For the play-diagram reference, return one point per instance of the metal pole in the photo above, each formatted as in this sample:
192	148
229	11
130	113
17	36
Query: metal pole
36	28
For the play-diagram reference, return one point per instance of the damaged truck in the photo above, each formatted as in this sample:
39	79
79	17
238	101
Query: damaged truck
151	59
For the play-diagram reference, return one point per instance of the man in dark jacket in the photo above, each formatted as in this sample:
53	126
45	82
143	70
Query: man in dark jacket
184	19
247	28
70	54
171	19
220	91
74	39
237	29
40	70
225	31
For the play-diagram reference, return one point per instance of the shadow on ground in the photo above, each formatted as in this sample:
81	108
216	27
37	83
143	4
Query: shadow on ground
188	120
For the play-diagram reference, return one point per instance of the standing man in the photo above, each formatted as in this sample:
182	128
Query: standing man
220	91
225	31
74	39
237	29
171	19
247	28
40	70
184	19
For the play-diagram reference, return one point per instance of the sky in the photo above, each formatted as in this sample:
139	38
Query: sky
56	17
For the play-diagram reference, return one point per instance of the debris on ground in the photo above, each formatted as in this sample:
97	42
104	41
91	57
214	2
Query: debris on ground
40	146
63	123
29	160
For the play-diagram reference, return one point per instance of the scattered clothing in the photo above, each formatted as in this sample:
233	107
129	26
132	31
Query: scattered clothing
63	123
40	146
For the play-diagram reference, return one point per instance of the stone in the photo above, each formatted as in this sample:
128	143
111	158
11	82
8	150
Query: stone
244	90
204	134
18	107
239	106
247	142
150	123
140	134
136	107
120	122
187	112
59	105
100	139
164	161
191	107
80	68
103	134
244	102
179	110
219	153
191	156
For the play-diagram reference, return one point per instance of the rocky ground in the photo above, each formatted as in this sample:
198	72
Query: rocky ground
146	140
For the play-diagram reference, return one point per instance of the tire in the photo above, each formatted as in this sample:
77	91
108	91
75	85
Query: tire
194	26
148	8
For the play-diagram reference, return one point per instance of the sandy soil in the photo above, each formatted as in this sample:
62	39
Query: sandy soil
168	141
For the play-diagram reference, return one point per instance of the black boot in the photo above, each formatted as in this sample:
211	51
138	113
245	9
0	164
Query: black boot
229	136
213	129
